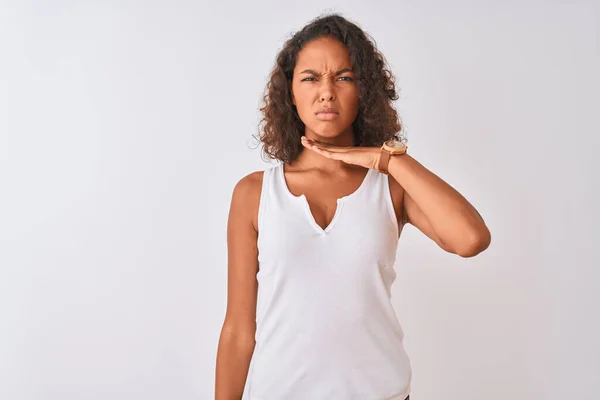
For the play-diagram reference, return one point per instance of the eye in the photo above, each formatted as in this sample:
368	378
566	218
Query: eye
346	78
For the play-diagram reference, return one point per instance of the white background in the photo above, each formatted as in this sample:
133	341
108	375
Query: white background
124	126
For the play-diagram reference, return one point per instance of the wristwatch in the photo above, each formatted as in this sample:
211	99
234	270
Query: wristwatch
388	149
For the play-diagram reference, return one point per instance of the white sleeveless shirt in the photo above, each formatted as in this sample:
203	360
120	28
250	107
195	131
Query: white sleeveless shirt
325	325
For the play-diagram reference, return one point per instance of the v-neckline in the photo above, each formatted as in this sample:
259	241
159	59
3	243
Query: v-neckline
340	201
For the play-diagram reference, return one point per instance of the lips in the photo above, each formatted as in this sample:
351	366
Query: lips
327	111
326	116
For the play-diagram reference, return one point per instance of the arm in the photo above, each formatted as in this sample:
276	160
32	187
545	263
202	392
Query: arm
438	210
236	342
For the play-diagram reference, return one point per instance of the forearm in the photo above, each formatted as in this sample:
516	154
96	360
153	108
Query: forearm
452	217
233	361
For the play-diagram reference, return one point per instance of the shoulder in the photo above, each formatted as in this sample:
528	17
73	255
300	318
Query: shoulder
245	198
249	184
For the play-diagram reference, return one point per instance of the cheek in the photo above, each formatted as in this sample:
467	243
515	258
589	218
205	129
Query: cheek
302	98
349	94
351	101
305	103
304	108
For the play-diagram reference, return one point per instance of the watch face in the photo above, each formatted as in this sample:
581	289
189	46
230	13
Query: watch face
397	144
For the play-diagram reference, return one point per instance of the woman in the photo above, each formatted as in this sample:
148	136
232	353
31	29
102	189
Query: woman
312	241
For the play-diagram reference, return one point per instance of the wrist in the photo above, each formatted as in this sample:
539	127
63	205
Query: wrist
389	150
398	163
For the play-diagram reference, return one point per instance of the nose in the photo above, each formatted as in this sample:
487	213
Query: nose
327	91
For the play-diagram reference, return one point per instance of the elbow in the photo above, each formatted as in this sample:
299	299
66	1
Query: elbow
478	242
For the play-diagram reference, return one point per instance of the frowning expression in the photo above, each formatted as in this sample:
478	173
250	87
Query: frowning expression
324	88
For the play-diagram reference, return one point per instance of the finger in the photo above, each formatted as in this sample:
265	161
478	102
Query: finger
327	146
323	144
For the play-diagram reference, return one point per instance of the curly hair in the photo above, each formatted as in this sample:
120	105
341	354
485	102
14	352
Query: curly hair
280	128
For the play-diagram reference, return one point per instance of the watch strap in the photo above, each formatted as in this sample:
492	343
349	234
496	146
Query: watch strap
384	160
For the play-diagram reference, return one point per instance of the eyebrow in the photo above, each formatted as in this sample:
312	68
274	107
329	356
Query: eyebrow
310	71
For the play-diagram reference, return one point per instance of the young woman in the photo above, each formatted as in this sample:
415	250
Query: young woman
312	240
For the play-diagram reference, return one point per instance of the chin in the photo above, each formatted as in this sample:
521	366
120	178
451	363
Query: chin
328	130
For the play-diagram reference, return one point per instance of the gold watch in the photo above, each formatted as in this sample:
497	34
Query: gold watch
388	149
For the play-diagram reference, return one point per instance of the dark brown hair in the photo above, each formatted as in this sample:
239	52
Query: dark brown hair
280	128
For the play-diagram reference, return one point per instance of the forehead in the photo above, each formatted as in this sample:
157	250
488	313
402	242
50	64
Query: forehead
324	53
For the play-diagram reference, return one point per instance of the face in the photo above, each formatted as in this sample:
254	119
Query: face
323	79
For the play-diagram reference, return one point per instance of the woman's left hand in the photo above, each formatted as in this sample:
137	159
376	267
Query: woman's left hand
367	157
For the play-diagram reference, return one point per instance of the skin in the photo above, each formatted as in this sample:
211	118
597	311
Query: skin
323	78
329	168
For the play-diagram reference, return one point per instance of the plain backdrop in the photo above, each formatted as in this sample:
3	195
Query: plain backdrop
124	126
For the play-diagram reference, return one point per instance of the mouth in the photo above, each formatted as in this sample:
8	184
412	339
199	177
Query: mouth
326	116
